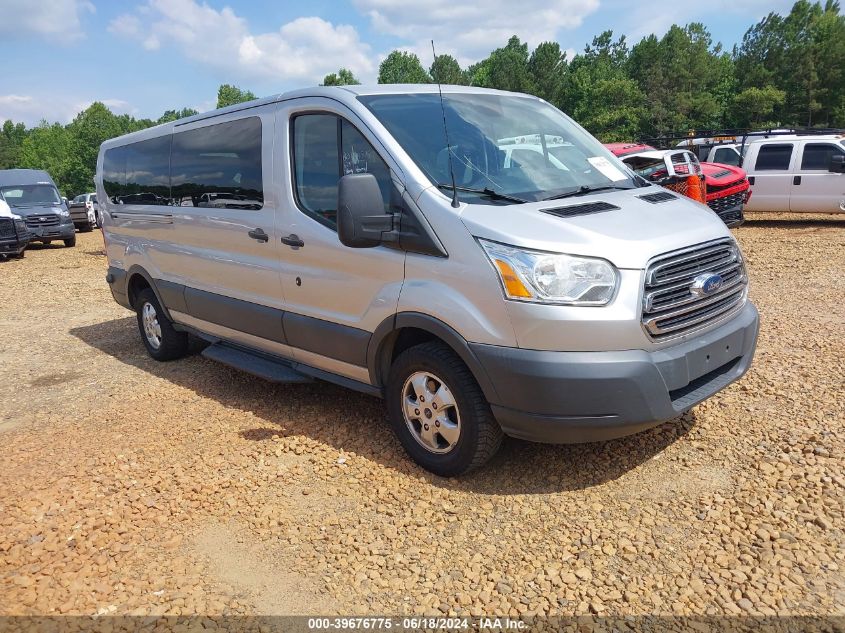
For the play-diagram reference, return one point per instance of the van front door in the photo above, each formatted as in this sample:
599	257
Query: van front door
815	189
335	296
772	173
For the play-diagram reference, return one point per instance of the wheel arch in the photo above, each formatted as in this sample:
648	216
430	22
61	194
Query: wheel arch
406	329
137	279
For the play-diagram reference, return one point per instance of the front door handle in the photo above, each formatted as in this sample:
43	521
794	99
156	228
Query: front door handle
796	180
259	234
293	240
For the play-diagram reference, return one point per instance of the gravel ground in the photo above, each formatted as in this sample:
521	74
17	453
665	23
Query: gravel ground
130	486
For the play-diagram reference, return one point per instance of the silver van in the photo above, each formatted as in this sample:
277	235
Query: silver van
377	238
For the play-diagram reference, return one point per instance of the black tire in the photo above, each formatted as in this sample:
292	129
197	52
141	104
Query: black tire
86	228
69	242
21	254
172	344
480	435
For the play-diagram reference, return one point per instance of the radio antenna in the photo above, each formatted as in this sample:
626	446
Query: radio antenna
455	203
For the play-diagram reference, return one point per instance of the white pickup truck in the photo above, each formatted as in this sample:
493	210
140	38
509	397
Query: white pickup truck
797	173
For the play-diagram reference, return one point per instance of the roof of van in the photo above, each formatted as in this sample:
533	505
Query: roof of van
11	177
342	93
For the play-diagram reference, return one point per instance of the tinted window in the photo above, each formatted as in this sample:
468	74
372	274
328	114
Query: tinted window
139	173
326	147
774	156
219	166
726	156
818	155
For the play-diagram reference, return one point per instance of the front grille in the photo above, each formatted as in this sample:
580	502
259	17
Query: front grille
581	209
7	228
671	308
35	221
727	203
712	188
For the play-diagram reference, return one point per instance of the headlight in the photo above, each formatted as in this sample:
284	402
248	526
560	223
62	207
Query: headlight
542	277
64	212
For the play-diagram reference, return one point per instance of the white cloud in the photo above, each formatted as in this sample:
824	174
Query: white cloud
305	49
61	18
53	108
469	31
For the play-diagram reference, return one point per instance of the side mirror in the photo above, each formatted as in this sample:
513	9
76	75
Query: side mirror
361	220
837	164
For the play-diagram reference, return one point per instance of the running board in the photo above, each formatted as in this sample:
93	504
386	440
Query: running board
266	368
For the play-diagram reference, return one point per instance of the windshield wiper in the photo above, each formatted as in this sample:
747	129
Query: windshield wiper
583	191
490	193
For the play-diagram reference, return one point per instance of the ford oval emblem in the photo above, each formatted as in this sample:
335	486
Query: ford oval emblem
706	284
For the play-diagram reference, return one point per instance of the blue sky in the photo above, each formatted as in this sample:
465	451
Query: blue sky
146	56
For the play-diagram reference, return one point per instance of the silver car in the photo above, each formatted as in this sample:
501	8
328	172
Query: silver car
389	239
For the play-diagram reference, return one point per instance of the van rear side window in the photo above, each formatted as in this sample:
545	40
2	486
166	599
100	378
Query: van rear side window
138	173
218	166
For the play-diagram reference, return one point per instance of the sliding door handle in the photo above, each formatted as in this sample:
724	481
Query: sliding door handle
293	240
258	234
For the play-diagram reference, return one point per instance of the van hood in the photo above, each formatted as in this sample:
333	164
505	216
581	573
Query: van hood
628	236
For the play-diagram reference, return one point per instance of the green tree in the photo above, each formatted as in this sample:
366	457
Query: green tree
505	69
50	147
546	68
802	54
754	107
228	95
87	132
343	77
175	115
598	93
12	137
402	68
447	70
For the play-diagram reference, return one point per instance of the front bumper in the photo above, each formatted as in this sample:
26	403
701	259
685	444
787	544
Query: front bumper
13	246
55	232
572	397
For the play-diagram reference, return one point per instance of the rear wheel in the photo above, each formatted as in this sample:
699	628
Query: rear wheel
439	412
162	341
70	242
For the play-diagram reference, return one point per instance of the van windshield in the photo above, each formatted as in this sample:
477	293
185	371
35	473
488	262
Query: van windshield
516	146
30	195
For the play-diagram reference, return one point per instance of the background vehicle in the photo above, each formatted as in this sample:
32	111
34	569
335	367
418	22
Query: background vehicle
32	194
85	212
726	186
797	173
548	296
14	236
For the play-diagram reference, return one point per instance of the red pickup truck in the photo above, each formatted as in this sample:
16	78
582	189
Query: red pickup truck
726	187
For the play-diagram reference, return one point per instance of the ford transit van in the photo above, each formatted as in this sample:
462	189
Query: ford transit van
32	194
389	239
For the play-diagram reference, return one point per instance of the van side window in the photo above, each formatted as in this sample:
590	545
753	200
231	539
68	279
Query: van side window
817	156
139	173
774	156
218	166
326	147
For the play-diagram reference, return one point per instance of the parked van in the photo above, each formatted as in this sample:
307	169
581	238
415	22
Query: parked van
32	194
797	173
359	246
14	236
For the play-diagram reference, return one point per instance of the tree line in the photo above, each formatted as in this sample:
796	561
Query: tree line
789	70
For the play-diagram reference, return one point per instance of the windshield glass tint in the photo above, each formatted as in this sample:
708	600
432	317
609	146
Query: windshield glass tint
514	145
30	195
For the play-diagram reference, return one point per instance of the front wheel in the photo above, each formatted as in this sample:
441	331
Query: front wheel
70	242
439	412
162	341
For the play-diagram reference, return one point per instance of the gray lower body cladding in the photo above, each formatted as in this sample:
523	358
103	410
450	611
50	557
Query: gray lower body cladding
571	397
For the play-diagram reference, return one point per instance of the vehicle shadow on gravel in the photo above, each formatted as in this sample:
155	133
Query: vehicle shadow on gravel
790	223
356	423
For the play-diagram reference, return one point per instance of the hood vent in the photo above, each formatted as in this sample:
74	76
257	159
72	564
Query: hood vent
581	209
720	174
657	198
